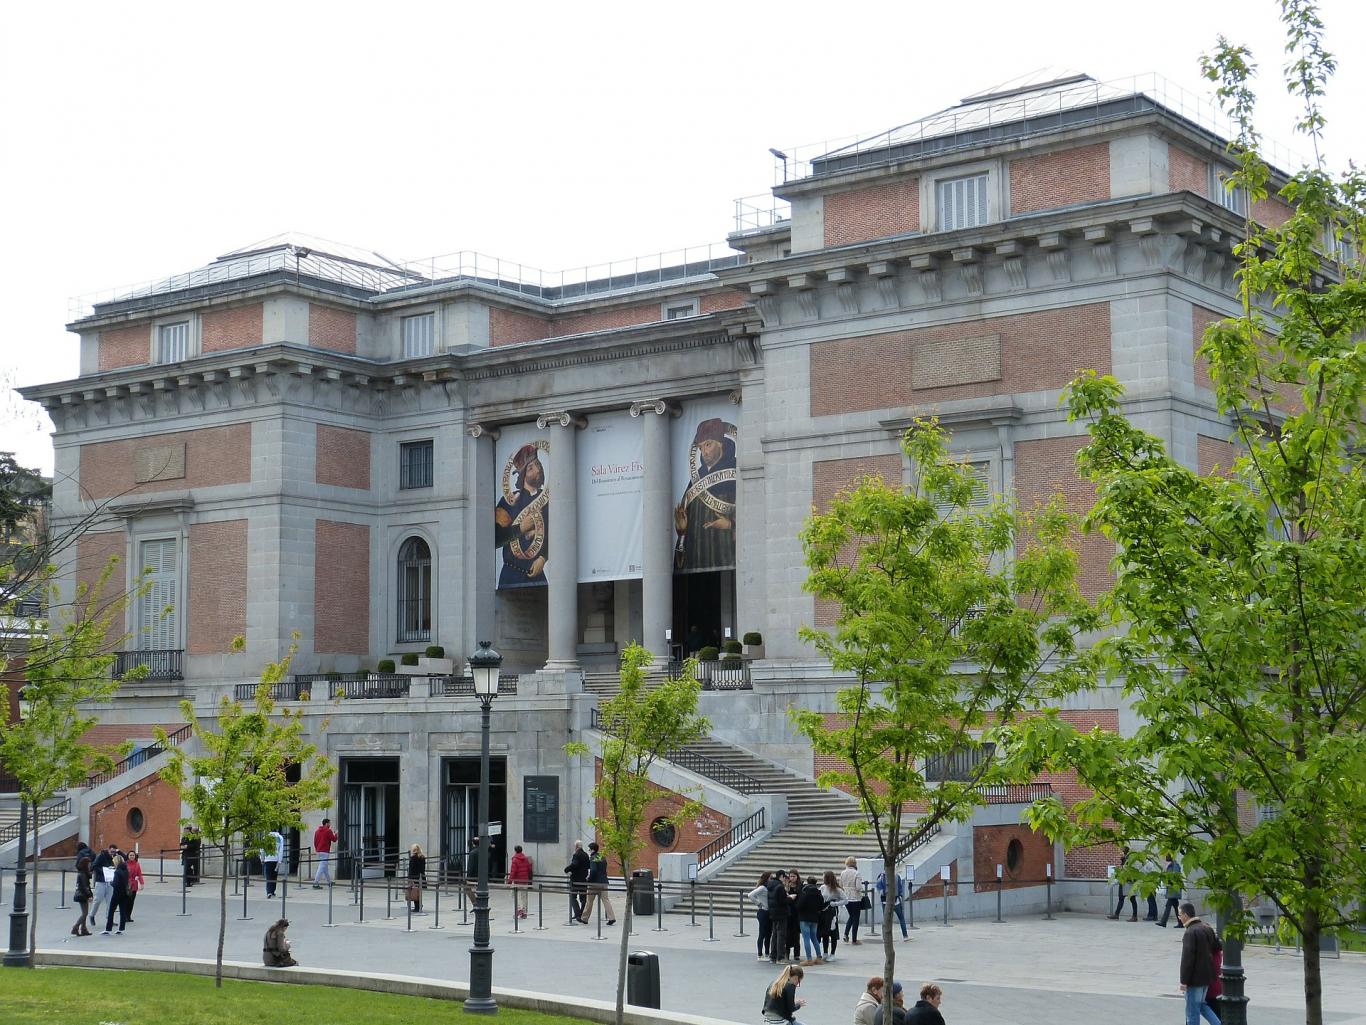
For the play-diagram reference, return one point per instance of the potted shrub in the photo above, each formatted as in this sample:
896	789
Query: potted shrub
754	644
705	657
305	695
407	665
730	650
385	667
708	654
435	663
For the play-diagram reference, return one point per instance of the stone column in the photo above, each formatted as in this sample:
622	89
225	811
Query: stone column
657	595
480	499
562	568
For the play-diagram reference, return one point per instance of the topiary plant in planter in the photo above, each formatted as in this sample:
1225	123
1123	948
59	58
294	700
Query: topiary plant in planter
754	637
707	654
408	659
731	647
386	665
435	651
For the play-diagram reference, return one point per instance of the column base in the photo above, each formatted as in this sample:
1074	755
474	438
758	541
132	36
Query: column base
561	665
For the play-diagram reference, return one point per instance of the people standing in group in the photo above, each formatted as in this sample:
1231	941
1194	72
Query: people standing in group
272	853
829	931
869	1001
898	1007
779	908
1124	855
759	898
323	839
135	882
83	895
926	1009
1173	871
810	905
577	870
519	877
898	899
597	886
417	878
781	1002
1198	948
852	885
118	896
103	881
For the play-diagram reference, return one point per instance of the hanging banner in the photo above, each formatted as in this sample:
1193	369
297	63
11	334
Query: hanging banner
704	466
521	518
611	470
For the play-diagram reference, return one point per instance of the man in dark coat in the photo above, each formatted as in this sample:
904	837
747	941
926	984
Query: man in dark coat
779	909
1198	947
578	882
926	1009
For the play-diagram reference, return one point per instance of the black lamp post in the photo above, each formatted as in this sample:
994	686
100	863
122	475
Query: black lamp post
17	956
484	665
1233	1001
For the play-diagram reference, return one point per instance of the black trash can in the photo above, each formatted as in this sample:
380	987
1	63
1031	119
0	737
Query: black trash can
642	978
643	897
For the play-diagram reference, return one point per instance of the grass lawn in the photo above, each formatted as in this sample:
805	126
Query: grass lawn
62	996
1350	940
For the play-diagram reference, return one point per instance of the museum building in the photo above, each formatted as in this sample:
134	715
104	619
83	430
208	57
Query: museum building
305	437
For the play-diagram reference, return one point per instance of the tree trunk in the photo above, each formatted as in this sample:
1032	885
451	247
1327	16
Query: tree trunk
222	918
1313	970
33	892
625	944
888	939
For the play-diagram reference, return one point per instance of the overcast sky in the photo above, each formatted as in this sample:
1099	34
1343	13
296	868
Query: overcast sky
144	139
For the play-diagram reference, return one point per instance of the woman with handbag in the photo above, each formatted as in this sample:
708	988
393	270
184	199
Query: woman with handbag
417	875
135	882
82	897
855	900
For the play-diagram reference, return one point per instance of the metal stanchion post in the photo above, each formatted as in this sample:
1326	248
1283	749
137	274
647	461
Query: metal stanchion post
464	907
999	885
742	915
329	924
388	899
410	911
246	886
598	905
62	905
910	895
692	902
161	872
184	911
515	916
360	886
1048	893
540	907
284	893
437	924
659	906
944	879
711	918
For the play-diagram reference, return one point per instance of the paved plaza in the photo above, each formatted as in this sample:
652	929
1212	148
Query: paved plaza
1078	968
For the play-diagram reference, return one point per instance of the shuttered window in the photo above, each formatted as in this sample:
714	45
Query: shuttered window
962	202
173	342
158	629
419	335
981	488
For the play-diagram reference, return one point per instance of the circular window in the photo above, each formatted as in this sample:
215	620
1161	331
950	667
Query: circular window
662	832
1014	856
136	821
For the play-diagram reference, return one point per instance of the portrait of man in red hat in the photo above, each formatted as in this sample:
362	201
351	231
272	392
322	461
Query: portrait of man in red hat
521	520
705	517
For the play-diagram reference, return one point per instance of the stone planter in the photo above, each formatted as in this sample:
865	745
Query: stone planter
416	670
753	651
435	666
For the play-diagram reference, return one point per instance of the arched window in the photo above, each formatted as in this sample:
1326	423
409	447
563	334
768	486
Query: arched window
414	591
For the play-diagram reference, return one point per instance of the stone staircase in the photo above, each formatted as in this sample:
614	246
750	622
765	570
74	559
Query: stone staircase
813	840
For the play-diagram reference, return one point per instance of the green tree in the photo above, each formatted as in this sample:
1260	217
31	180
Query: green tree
953	619
238	786
1240	593
67	670
640	725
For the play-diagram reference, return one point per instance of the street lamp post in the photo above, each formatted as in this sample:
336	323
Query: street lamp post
484	665
1233	1001
17	956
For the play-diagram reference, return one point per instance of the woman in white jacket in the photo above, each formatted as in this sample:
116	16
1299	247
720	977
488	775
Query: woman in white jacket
852	886
759	898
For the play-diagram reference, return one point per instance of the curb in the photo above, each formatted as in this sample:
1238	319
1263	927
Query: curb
406	985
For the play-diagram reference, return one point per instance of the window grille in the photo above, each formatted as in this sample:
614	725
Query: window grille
173	342
962	202
958	765
159	629
414	591
415	465
419	335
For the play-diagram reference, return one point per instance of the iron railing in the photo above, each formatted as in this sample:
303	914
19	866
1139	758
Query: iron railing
725	674
44	815
733	837
463	686
958	765
292	689
371	685
1015	793
718	772
138	757
917	839
161	663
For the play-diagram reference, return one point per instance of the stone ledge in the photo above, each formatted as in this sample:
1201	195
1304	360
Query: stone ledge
403	985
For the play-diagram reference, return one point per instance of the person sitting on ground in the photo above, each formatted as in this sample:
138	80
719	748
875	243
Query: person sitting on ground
275	951
869	1002
898	1008
926	1009
780	999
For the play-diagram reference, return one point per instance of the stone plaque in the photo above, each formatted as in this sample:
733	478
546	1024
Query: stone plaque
956	361
159	462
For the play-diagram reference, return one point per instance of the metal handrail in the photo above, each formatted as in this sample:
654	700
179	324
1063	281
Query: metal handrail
138	757
47	813
917	839
162	663
463	686
731	838
718	772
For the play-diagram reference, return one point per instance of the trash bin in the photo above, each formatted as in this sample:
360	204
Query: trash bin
642	978
643	896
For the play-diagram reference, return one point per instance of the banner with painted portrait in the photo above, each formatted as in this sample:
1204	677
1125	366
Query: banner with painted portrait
611	479
705	473
521	517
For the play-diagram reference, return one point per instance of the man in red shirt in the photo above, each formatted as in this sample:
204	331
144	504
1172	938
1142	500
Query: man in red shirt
323	839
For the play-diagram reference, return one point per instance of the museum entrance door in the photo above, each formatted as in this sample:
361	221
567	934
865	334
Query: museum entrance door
704	606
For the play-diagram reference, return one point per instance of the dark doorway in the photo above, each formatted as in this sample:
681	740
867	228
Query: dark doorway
369	816
293	773
701	604
460	813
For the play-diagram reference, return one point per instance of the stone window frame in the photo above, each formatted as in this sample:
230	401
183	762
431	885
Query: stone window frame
670	307
393	572
998	192
193	341
138	535
434	312
1234	200
404	482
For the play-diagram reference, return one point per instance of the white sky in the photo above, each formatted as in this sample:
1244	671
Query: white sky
143	139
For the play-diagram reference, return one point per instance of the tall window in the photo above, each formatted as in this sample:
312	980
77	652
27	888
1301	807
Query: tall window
419	335
173	342
962	202
415	465
1234	199
414	591
158	628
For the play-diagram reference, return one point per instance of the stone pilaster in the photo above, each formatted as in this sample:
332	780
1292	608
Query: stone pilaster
562	569
479	547
658	529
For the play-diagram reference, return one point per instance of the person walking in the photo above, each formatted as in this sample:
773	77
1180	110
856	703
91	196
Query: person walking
898	898
103	881
830	915
926	1009
417	876
1198	948
272	851
323	839
1173	871
135	882
1124	855
810	905
779	907
577	870
118	897
597	886
759	898
781	1002
869	1001
852	885
82	896
519	878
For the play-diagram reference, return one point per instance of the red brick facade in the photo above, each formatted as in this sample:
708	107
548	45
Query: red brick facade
606	320
213	456
218	586
1186	173
331	328
690	834
832	477
125	346
343	457
512	327
1271	211
1201	318
878	211
111	820
718	301
1214	453
1079	175
990	847
1034	352
341	588
93	552
238	328
1047	468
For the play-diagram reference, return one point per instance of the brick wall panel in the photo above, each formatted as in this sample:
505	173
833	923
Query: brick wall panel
879	211
690	834
1038	352
718	301
341	588
1079	175
989	849
238	328
343	457
1214	453
832	477
512	327
1186	173
218	585
331	328
1046	468
125	346
606	320
1271	211
214	456
160	807
93	552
